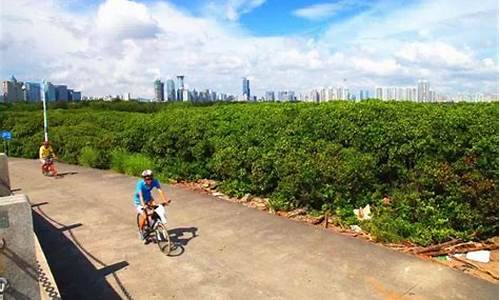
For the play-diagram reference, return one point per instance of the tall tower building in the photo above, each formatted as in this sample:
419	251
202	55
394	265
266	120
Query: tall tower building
13	90
379	93
269	96
171	90
180	88
61	93
159	90
423	91
180	81
49	91
246	89
33	92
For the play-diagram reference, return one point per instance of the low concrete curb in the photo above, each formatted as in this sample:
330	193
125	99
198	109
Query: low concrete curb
48	286
17	254
4	176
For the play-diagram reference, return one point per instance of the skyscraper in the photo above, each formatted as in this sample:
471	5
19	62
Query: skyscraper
413	95
180	81
332	94
186	95
49	91
379	93
323	95
76	95
61	93
33	92
170	90
13	90
314	96
246	88
423	91
159	90
270	96
180	88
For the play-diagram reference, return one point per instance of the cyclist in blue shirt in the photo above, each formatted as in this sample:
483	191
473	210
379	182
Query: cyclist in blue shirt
143	197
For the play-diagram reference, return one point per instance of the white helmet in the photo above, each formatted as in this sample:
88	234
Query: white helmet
147	173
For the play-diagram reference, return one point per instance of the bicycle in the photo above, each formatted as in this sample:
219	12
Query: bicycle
49	168
159	227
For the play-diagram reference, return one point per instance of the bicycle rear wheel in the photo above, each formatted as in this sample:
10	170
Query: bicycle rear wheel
53	170
162	238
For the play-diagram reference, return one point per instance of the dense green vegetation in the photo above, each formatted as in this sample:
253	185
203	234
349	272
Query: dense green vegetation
438	163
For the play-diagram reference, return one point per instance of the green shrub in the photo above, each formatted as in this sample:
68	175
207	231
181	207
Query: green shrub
438	163
135	163
118	157
93	158
88	157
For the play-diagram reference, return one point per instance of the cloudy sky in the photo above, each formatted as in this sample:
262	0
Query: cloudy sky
117	46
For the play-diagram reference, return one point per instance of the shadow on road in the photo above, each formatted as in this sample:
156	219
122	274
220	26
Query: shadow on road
61	175
75	274
179	240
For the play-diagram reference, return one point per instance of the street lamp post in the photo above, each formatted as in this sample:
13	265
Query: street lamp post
45	131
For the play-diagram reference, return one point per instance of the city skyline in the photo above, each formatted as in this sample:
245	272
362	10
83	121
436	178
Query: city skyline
116	46
14	90
421	91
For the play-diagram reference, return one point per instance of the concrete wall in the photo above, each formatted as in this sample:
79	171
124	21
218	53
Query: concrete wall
17	254
4	176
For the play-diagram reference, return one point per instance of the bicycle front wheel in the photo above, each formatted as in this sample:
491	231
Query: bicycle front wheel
162	238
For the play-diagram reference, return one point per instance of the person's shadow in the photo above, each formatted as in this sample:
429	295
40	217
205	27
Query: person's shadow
63	174
180	237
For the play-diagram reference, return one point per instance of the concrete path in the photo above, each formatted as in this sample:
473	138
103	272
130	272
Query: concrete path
85	222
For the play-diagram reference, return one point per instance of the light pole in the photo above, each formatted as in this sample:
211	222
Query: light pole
46	135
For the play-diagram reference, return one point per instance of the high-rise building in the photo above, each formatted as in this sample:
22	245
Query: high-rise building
323	95
269	96
407	96
159	90
379	93
61	93
423	91
186	95
245	90
13	90
77	95
400	94
332	94
389	94
346	95
180	81
33	92
361	95
171	90
314	97
49	91
432	96
180	88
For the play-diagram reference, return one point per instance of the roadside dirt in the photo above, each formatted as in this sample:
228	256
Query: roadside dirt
487	271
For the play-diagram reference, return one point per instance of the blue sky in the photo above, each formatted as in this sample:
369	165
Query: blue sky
120	46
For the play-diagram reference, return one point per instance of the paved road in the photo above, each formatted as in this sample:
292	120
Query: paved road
86	224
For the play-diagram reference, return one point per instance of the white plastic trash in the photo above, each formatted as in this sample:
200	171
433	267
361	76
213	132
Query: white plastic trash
356	228
363	213
480	256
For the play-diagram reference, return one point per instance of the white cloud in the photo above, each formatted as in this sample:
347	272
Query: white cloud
232	10
123	19
122	46
435	54
323	10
